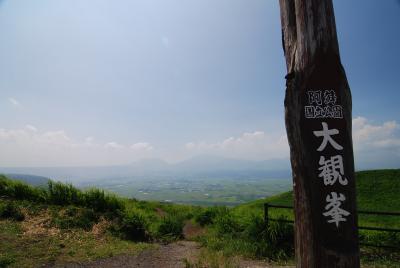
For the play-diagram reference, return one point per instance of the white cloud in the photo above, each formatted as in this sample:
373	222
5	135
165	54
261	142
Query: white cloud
89	141
375	145
29	146
14	102
367	135
142	146
250	145
58	138
31	128
113	145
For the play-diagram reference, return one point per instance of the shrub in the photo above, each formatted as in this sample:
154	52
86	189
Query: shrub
99	201
390	239
74	217
134	226
206	217
6	260
61	194
256	228
4	184
170	228
275	241
64	194
9	210
225	223
20	190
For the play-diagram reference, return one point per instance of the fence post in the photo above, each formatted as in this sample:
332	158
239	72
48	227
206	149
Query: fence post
266	213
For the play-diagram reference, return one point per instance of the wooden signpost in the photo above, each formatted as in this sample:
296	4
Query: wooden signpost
318	124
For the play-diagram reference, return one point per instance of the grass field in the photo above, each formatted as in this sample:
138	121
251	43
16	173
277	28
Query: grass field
64	224
377	190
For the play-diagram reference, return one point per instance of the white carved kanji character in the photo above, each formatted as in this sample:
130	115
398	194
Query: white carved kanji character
332	170
329	97
326	134
315	97
333	209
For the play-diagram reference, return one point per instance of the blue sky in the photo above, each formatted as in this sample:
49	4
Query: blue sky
109	82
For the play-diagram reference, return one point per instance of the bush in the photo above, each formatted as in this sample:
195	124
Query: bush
275	241
20	190
251	239
170	228
134	226
225	223
99	201
6	260
4	184
9	210
74	217
206	217
64	194
256	228
390	239
61	194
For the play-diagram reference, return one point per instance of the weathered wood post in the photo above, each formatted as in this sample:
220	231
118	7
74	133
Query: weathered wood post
318	124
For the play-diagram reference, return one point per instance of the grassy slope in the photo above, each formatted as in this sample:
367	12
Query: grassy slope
377	190
20	250
55	234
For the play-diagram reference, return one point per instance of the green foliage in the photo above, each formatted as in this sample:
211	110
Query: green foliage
185	212
69	246
9	210
279	240
250	237
74	217
61	194
64	194
237	231
391	239
226	223
170	228
206	216
134	226
6	260
376	190
20	190
98	200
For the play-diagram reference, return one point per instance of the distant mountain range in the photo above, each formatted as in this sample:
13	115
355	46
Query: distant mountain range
30	179
194	168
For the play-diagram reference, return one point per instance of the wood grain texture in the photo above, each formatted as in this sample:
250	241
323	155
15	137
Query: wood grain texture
311	51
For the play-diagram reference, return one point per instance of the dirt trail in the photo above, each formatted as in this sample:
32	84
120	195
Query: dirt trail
165	256
174	255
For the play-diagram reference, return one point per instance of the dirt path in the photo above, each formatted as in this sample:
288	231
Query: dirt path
166	256
175	255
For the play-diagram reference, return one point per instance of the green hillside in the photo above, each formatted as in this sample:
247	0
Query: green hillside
80	225
29	179
377	190
59	223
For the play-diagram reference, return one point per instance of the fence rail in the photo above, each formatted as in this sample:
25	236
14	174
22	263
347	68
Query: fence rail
367	212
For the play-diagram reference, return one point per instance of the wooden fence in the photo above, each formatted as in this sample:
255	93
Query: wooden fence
267	219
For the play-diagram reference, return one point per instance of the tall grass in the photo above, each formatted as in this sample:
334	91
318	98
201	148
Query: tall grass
170	228
58	193
249	236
